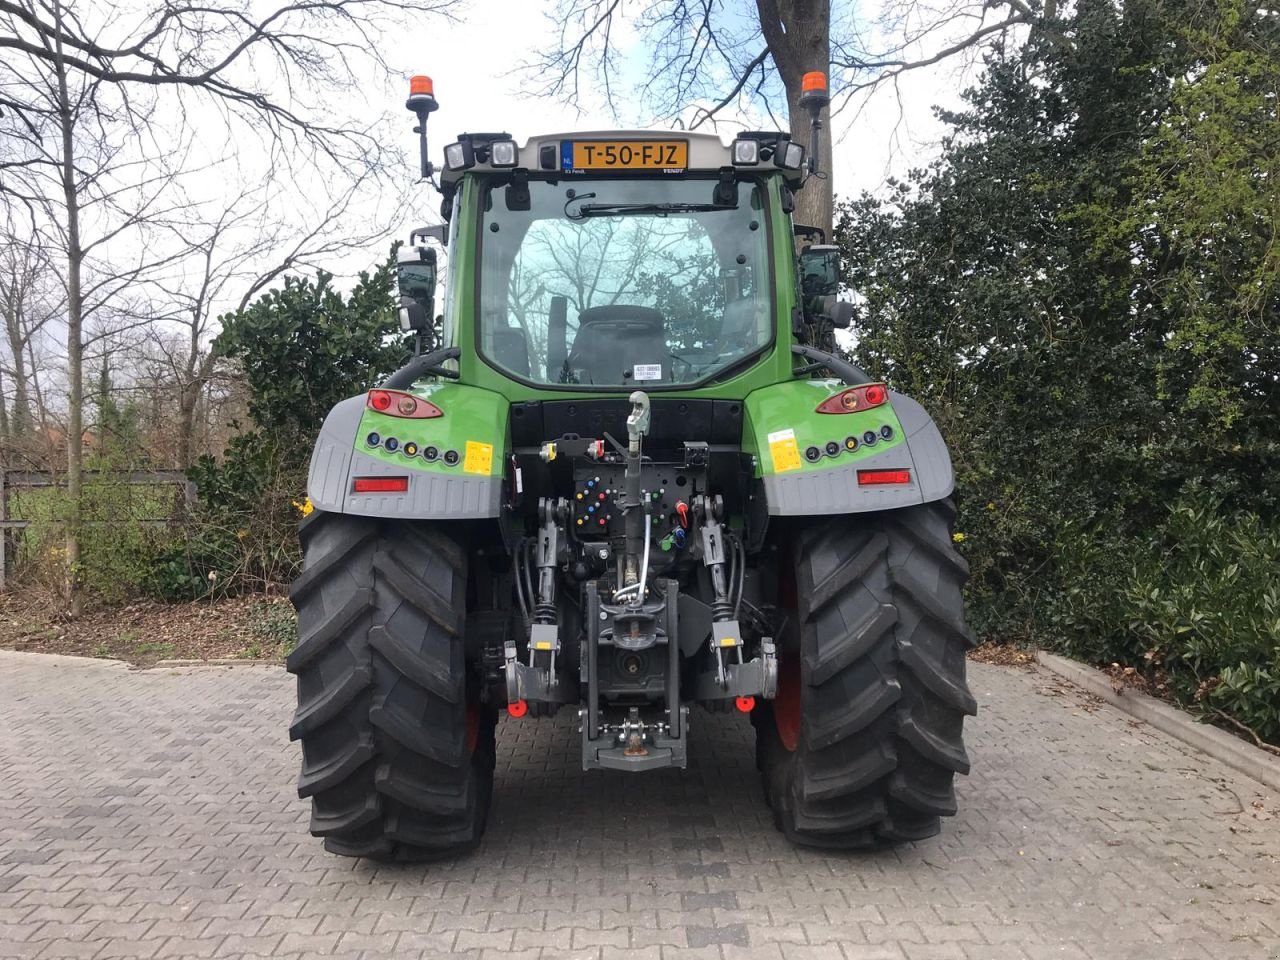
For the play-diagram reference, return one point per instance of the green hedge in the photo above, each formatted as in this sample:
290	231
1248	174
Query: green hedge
1195	606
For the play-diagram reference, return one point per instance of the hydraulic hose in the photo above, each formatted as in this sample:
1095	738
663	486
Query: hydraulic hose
426	365
741	570
638	587
518	564
842	368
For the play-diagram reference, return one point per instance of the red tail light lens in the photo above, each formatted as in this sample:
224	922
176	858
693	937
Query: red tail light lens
875	478
855	399
380	485
394	403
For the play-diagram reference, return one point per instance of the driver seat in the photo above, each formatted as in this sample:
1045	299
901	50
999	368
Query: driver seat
612	339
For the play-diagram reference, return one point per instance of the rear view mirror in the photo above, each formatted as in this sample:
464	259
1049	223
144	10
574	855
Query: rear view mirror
819	270
416	280
841	313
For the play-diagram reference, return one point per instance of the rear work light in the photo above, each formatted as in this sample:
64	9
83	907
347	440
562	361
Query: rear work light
855	399
502	153
394	403
380	485
877	478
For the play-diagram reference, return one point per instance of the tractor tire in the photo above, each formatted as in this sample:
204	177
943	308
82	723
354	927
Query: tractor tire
861	746
397	751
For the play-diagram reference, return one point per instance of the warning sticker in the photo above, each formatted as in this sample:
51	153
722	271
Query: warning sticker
479	458
647	371
783	450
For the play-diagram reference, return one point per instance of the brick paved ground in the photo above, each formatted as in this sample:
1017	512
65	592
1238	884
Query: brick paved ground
152	814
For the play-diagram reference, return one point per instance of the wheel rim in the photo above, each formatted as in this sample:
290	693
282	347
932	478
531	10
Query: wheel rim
786	705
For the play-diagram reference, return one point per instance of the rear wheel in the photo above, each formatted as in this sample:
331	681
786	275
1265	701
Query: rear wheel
397	751
862	744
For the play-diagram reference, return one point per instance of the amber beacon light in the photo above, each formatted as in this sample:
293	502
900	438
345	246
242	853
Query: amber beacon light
813	97
422	103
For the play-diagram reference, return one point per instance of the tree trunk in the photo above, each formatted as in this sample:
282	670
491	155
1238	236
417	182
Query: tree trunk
4	441
15	309
190	390
75	345
798	34
188	394
815	204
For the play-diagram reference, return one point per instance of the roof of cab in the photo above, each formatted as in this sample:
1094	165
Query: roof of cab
707	152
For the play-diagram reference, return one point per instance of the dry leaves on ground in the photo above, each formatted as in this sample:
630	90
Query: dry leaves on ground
1003	655
146	631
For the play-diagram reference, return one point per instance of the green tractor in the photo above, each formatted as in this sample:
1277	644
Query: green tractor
627	473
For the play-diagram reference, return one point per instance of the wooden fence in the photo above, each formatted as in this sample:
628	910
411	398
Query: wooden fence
12	481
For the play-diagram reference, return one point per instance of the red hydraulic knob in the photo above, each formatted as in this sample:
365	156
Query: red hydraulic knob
517	708
682	509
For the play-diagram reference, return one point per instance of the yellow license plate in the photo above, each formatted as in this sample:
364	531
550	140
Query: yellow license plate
625	154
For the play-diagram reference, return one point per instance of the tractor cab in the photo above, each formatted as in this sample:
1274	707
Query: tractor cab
606	262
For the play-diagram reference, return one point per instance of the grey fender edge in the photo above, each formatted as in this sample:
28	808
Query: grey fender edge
836	490
432	495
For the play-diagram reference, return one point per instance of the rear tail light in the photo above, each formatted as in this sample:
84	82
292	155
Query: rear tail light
380	485
875	478
395	403
855	399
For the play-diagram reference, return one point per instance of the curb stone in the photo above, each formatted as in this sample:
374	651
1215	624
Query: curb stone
63	659
218	662
1218	744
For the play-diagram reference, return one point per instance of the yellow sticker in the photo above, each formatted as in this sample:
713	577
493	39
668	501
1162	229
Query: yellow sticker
479	458
728	642
542	645
783	450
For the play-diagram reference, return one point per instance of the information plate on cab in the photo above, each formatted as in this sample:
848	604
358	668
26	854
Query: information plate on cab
662	155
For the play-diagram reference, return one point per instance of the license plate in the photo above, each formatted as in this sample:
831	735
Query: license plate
670	155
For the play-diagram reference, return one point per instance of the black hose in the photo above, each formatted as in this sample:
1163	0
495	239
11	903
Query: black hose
528	576
733	566
426	365
842	368
519	564
741	568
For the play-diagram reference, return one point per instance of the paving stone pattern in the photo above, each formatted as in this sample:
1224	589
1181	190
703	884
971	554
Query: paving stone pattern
152	814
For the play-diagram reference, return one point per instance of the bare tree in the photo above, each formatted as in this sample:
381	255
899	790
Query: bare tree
84	157
28	301
724	54
238	247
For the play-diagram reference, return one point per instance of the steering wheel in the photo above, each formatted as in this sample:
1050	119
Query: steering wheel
694	360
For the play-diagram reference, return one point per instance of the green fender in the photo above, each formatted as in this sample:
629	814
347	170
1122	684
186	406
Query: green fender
453	464
809	462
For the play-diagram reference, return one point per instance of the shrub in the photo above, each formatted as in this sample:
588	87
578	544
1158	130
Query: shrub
117	549
1196	605
243	536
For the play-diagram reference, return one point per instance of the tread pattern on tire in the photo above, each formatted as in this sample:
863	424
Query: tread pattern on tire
882	666
397	759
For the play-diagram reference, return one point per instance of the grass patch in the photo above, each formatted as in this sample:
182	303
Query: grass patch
160	650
